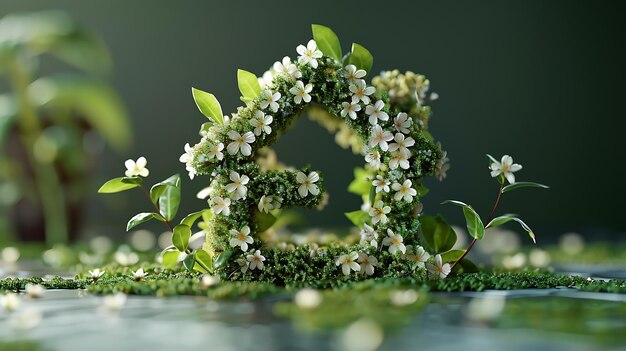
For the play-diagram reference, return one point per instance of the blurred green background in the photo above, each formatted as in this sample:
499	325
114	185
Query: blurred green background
541	81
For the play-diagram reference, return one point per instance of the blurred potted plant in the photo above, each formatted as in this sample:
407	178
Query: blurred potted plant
52	126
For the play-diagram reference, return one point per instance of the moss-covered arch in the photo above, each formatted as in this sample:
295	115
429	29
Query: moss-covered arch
240	188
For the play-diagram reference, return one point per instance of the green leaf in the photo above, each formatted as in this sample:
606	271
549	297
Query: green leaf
204	260
511	217
264	221
191	218
451	256
527	229
189	262
361	184
475	226
117	185
170	258
248	85
327	41
421	190
523	185
169	198
222	258
143	217
159	188
372	195
438	233
208	105
358	218
180	237
360	57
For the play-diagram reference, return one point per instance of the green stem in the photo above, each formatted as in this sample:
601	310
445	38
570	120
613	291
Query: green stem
45	175
493	211
156	208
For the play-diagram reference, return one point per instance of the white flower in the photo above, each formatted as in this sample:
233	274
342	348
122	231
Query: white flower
187	156
443	165
439	270
139	274
221	205
380	137
301	92
419	255
270	100
114	302
402	122
350	109
243	264
268	203
138	168
353	74
376	112
307	183
261	123
373	158
369	236
256	260
34	291
209	280
267	78
216	151
348	262
287	68
399	159
240	142
367	263
394	241
308	298
379	212
309	54
401	144
506	167
361	92
404	191
381	184
241	238
197	240
96	274
10	301
238	185
204	193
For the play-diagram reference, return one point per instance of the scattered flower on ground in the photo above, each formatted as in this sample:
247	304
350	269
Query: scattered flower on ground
209	280
139	274
114	302
9	301
96	274
35	291
308	298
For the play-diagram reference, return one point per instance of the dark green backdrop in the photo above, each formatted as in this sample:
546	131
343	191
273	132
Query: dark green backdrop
542	81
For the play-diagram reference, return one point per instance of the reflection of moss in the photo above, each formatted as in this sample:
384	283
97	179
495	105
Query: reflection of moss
22	345
595	253
601	320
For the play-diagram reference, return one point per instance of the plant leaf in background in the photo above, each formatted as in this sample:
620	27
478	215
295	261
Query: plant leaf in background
438	234
117	185
361	184
518	185
358	218
204	260
327	41
142	218
264	221
510	217
159	188
360	57
248	85
180	237
209	106
475	226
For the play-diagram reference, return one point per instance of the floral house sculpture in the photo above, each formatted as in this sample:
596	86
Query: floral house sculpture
385	121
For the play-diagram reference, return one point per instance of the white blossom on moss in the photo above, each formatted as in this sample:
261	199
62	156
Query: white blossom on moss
270	100
369	236
309	54
505	167
269	202
261	123
287	68
404	191
241	238
367	263
215	151
139	274
188	155
401	144
348	262
34	291
395	242
376	112
399	159
402	123
372	157
256	260
238	185
417	255
243	264
307	183
381	184
349	109
379	212
443	165
221	205
96	274
380	137
301	92
240	142
138	168
438	269
361	92
353	74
